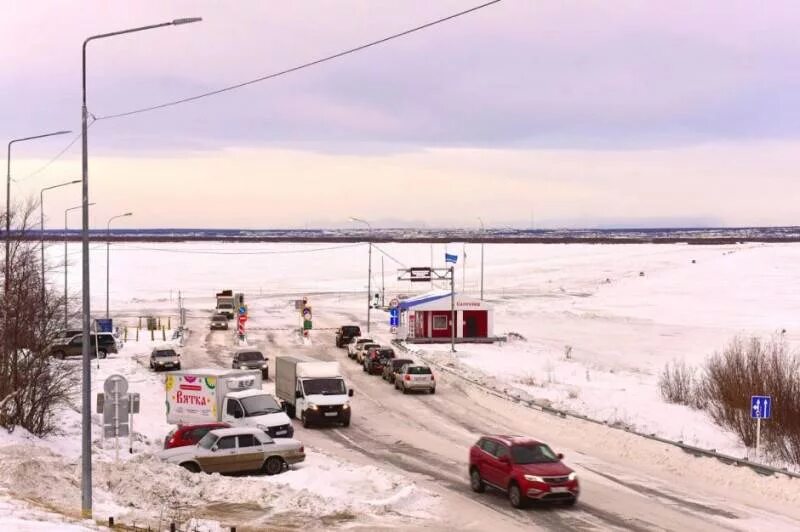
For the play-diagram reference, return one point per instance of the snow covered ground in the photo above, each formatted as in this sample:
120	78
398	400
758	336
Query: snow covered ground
139	488
596	336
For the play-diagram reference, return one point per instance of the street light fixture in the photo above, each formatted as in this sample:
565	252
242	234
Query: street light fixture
108	244
369	268
41	224
66	262
8	195
86	375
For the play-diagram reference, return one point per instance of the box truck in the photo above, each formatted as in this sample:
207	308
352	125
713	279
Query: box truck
234	396
312	390
226	304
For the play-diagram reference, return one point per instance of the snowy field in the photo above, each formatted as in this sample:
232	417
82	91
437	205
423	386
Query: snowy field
596	336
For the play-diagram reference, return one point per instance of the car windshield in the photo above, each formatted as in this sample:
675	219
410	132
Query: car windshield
225	305
258	405
251	356
350	331
324	386
386	353
363	341
207	441
400	362
164	353
219	318
533	454
419	370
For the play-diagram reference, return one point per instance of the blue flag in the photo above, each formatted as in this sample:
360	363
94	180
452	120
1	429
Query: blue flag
450	258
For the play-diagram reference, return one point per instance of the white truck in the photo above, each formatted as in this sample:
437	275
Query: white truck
312	390
226	304
234	396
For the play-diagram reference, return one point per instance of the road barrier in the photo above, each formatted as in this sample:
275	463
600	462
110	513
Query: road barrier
761	469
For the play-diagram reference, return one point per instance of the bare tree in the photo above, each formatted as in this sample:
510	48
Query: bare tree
32	385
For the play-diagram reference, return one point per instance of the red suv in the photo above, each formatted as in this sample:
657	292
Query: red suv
524	468
184	435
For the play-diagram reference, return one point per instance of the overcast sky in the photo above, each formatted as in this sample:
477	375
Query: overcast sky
553	113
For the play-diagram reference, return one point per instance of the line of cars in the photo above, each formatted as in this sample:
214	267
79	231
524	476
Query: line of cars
405	374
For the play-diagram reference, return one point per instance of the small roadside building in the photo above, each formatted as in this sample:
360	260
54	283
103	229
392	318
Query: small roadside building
427	318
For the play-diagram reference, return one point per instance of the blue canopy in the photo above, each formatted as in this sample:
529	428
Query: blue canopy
421	299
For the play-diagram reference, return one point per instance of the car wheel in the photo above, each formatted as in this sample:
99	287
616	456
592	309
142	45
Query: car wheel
305	421
475	481
178	367
191	467
346	423
59	355
102	353
273	465
405	390
265	374
433	390
515	496
571	502
291	411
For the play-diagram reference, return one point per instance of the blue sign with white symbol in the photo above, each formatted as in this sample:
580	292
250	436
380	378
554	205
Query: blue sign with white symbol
242	310
760	406
394	317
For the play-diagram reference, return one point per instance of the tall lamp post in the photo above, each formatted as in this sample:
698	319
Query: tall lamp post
8	195
108	245
66	262
86	375
41	224
369	268
482	234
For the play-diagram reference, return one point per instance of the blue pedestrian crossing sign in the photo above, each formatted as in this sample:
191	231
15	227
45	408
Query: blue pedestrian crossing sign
760	407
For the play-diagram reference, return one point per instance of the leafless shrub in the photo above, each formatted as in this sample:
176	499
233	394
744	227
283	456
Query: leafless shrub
677	384
32	385
756	367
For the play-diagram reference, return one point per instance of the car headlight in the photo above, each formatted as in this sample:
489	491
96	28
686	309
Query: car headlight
346	406
262	427
312	406
533	478
573	476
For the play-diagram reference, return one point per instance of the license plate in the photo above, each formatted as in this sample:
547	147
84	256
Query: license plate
559	489
330	414
420	378
280	432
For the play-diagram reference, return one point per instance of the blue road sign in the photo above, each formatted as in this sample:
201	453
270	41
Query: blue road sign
760	406
394	321
242	310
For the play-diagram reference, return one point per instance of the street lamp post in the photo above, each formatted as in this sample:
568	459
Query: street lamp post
8	196
108	245
41	225
369	269
66	262
86	375
482	234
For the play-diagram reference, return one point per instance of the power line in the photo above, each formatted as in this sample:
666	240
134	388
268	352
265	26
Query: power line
54	159
299	67
389	256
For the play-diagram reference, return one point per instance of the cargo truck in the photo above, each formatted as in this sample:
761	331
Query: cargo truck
312	390
200	396
225	304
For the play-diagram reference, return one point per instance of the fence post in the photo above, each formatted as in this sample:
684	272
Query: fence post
125	334
169	322
159	322
163	334
137	335
111	522
152	335
140	322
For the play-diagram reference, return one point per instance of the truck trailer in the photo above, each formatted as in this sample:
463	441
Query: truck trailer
234	396
312	390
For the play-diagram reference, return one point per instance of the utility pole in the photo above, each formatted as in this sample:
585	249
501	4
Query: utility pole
383	285
482	237
369	268
464	268
452	309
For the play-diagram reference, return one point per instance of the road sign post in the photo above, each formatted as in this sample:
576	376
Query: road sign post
760	408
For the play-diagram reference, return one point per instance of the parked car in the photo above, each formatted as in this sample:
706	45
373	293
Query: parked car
355	344
393	366
361	352
237	450
249	358
413	377
164	357
345	333
184	435
373	364
103	344
524	468
219	322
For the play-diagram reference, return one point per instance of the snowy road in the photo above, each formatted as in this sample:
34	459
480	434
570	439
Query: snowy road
427	437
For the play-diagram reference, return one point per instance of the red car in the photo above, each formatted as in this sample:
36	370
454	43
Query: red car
524	468
184	435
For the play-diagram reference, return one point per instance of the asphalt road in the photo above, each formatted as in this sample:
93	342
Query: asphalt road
427	438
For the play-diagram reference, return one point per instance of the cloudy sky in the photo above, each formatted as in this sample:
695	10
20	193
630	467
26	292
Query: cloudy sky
551	113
